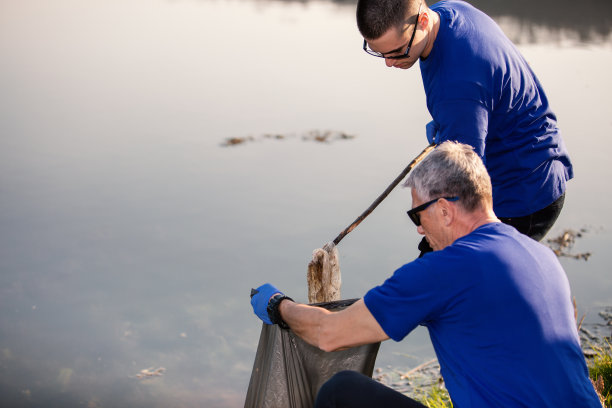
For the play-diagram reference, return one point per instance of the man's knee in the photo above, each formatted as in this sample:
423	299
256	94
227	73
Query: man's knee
332	391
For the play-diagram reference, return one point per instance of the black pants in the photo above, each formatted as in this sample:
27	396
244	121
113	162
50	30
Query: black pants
355	390
535	225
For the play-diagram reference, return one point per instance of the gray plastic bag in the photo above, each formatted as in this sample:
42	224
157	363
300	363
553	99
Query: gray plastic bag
288	372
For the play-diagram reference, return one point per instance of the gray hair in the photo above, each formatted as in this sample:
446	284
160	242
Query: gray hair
452	169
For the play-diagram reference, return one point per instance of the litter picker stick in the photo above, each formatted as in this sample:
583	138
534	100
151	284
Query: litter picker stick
395	182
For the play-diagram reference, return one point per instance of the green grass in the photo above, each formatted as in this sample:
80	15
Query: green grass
435	397
600	371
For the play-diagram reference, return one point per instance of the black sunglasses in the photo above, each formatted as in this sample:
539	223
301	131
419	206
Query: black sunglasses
414	213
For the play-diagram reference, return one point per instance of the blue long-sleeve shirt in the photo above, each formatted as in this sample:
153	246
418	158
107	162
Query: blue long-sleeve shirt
481	91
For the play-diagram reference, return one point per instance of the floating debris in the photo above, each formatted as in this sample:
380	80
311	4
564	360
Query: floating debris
562	244
274	136
326	136
232	141
606	314
150	372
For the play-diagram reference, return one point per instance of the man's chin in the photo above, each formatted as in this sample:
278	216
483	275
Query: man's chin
404	66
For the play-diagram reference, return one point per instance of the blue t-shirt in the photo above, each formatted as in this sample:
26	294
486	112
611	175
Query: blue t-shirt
481	91
498	309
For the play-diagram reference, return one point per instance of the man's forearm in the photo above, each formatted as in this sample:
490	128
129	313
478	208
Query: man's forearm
305	321
332	331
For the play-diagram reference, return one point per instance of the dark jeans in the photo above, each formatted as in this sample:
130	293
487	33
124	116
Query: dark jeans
535	225
355	390
539	223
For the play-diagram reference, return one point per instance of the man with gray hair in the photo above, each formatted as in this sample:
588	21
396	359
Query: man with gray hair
496	303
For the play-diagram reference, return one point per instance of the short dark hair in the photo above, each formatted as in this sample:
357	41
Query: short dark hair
376	17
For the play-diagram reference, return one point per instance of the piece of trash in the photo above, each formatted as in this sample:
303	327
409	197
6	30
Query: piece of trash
326	136
150	372
320	136
276	136
232	141
563	244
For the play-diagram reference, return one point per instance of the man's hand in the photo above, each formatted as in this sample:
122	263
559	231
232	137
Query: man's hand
260	298
431	129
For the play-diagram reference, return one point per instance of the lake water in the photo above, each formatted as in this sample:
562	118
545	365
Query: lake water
130	236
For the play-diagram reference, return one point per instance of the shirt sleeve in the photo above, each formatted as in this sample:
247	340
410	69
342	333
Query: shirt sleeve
463	120
410	297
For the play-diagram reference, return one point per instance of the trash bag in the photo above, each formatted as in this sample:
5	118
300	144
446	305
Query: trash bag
288	372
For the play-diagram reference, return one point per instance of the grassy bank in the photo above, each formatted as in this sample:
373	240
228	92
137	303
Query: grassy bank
600	371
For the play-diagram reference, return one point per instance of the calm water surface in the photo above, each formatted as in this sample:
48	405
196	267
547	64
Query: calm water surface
129	237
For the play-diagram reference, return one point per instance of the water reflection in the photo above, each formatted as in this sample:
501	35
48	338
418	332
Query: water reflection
129	238
590	21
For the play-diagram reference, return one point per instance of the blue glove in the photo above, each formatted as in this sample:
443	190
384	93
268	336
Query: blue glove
260	298
431	129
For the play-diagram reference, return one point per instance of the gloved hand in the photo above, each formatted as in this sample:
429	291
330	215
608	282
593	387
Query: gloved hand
260	298
431	129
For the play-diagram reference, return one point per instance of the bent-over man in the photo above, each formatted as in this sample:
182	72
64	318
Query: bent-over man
496	303
480	91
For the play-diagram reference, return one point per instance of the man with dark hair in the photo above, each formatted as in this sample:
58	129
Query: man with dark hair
497	304
480	91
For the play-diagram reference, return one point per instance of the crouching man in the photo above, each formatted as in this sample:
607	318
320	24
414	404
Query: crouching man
497	304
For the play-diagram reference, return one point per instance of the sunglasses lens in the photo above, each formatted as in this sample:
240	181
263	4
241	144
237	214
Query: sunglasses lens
416	219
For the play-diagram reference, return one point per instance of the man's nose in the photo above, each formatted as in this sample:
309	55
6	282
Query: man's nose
420	230
390	62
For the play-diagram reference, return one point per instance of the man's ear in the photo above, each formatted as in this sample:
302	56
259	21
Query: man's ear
447	211
423	19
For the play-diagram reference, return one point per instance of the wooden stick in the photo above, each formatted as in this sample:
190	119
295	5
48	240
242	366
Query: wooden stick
395	182
417	368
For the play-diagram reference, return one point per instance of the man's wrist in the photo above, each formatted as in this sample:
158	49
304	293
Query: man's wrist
274	310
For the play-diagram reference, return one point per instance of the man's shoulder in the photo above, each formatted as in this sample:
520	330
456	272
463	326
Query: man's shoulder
455	8
492	241
492	235
495	230
501	238
463	47
462	21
